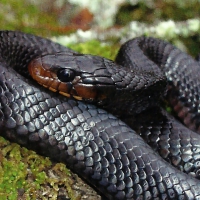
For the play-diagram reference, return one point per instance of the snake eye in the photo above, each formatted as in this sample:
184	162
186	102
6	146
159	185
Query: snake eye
65	75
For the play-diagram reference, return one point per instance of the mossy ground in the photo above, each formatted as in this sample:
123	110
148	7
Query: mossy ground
26	175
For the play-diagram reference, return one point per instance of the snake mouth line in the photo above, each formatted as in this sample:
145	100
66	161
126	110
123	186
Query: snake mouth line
62	93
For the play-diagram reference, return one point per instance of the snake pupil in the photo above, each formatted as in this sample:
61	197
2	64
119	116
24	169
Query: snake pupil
65	75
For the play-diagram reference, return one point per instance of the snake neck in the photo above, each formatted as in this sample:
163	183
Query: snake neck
18	49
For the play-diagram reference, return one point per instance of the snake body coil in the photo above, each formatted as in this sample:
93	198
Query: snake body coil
95	144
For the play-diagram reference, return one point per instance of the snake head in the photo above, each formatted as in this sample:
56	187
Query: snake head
83	77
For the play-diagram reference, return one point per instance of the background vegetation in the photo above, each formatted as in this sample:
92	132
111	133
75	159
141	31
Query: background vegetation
61	17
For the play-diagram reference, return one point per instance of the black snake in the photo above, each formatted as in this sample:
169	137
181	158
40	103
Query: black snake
94	143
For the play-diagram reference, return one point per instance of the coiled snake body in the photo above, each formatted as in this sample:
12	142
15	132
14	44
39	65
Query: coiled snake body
96	144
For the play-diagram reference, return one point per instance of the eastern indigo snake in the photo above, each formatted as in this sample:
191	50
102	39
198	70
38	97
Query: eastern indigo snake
91	141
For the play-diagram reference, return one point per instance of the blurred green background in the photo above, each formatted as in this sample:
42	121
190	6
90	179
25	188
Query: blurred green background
61	17
49	18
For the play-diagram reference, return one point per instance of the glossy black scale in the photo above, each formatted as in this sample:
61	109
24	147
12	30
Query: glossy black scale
91	141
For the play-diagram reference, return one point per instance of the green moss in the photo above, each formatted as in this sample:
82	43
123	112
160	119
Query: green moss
95	47
11	170
24	173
